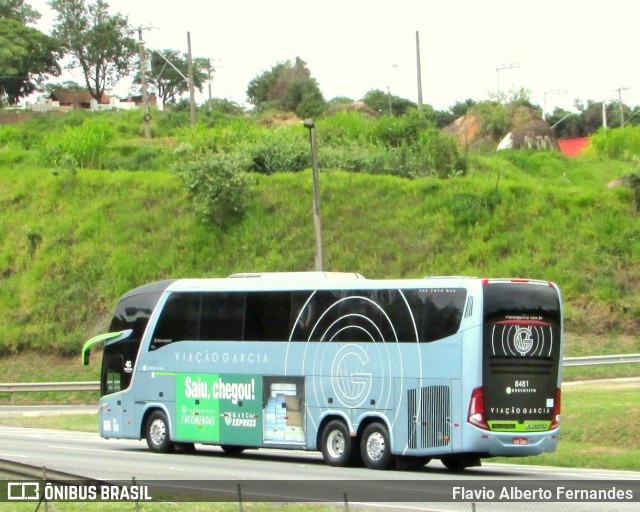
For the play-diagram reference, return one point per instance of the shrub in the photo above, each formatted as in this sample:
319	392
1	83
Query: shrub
135	158
394	131
279	150
224	137
617	143
217	184
470	209
82	146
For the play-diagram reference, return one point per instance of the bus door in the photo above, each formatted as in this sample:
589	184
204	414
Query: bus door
111	404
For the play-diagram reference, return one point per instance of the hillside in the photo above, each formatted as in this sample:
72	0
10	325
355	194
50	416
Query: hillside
73	243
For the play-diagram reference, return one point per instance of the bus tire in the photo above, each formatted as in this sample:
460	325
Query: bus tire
232	449
157	433
375	447
460	462
409	462
186	448
335	444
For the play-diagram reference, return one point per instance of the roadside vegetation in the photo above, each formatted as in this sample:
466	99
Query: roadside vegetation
92	210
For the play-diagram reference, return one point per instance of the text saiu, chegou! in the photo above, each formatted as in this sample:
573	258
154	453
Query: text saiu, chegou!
234	391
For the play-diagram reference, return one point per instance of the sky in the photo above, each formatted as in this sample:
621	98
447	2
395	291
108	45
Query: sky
560	50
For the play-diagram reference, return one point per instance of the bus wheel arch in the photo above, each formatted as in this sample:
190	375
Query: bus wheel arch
157	431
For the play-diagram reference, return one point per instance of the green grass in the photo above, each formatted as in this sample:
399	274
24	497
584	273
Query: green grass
600	428
73	244
75	422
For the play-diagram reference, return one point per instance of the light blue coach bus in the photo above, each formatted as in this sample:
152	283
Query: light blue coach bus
380	371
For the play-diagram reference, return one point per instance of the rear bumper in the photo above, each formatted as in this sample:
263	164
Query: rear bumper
510	444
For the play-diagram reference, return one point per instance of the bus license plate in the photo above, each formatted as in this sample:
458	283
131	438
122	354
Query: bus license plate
520	440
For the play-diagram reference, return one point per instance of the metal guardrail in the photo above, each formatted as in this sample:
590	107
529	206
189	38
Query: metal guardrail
95	386
599	360
49	386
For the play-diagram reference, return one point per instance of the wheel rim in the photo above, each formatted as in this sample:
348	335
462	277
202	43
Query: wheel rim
335	444
376	446
158	432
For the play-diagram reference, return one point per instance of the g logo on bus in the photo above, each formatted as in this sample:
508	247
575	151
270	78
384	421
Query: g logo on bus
522	340
350	382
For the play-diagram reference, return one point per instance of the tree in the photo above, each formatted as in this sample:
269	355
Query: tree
287	86
27	56
167	82
97	41
386	103
18	10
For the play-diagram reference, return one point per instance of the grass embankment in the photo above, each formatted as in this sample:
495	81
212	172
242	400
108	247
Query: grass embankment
73	244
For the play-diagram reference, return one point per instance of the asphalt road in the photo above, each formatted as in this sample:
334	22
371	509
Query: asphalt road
267	471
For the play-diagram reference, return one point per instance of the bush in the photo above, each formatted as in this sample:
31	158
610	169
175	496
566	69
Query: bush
346	128
617	143
394	131
279	150
217	184
135	158
224	137
81	146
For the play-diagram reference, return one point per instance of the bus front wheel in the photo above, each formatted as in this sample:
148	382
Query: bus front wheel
157	433
335	444
375	447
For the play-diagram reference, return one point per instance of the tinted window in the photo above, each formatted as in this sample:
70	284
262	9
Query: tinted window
323	315
133	313
379	315
503	299
222	316
442	313
179	320
267	316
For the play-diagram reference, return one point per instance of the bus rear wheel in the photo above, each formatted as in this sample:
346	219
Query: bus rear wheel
409	462
335	444
157	433
460	462
232	449
375	447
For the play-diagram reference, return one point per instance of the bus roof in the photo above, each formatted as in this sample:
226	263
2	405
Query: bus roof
299	275
311	280
156	287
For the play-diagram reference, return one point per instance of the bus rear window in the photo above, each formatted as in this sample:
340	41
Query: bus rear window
526	300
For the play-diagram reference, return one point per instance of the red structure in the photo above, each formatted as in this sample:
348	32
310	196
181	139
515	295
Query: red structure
573	147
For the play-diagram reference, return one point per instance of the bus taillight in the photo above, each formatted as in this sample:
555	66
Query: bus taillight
555	421
476	410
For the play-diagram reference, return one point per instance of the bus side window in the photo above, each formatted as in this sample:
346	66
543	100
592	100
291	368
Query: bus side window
112	369
222	317
179	320
268	316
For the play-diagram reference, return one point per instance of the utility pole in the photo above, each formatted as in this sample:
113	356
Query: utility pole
146	118
419	70
505	66
620	89
210	79
192	93
308	123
